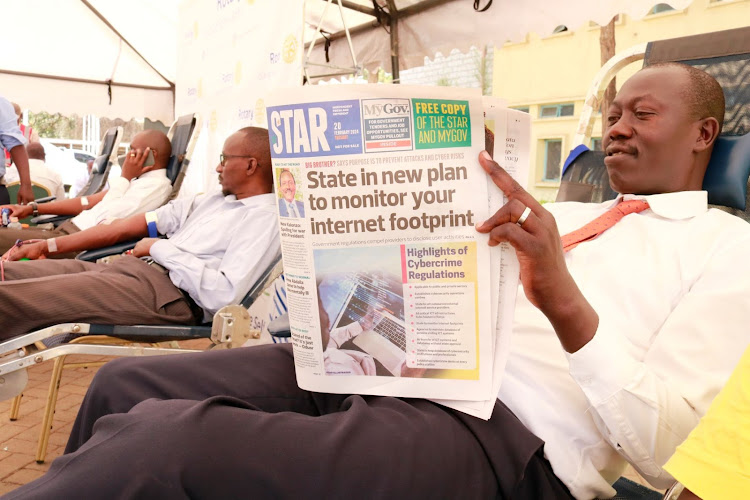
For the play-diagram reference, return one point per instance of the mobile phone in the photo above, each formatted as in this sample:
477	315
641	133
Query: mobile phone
149	159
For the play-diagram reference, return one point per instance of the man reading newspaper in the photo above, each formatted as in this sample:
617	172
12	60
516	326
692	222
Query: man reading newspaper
619	345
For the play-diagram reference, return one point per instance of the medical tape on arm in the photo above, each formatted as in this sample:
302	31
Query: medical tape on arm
151	220
51	245
84	202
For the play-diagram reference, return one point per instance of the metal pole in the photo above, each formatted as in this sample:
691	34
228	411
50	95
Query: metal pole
393	25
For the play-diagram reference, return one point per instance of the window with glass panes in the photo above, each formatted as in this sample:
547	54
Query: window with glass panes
556	110
552	159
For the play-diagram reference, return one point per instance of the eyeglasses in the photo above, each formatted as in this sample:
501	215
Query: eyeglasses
223	158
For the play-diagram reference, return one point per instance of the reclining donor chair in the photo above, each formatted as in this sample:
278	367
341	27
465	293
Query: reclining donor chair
232	326
725	55
183	134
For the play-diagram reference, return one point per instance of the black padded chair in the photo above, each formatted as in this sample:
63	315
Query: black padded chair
232	326
99	173
726	56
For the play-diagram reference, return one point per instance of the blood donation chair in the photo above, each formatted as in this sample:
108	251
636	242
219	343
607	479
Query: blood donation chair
183	134
725	55
232	326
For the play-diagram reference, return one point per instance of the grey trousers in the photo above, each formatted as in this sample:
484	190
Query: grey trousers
128	291
8	237
233	424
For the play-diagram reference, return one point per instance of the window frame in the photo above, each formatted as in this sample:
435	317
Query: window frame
547	141
558	113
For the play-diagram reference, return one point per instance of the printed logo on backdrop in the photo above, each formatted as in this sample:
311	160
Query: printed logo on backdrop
245	116
190	34
213	121
289	50
387	125
315	129
223	4
194	92
260	112
229	79
238	73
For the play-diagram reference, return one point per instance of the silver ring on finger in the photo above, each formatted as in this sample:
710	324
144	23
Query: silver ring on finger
524	216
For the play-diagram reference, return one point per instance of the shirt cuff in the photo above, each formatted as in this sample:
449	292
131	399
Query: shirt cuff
161	250
603	366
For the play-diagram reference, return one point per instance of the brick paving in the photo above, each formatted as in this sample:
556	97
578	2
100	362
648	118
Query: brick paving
18	440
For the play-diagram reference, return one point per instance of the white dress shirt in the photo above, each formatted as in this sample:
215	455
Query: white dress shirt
218	246
671	286
40	174
125	198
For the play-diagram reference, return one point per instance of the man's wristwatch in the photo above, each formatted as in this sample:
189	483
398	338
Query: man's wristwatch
34	208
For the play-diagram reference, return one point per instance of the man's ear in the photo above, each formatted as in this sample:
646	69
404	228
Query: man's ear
709	131
252	166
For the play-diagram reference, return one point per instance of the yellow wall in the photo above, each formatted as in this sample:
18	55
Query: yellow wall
559	69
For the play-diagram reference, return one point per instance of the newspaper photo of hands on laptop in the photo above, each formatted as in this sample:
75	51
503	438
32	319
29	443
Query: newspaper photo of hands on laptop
362	320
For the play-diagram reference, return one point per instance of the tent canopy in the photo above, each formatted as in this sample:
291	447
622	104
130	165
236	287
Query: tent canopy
67	56
425	27
118	59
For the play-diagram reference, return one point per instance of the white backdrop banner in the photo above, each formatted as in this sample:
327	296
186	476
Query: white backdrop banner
230	53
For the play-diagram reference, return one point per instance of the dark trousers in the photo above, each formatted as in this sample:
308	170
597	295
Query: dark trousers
45	292
4	195
234	424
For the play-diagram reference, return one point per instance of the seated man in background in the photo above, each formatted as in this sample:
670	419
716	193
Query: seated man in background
13	141
712	463
620	342
39	172
140	188
219	244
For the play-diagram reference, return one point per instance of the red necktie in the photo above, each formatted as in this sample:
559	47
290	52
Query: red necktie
602	223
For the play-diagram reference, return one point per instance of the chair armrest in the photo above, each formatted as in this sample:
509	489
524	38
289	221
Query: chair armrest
54	219
94	255
280	326
46	199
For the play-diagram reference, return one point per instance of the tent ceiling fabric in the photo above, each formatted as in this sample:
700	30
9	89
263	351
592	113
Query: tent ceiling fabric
454	24
49	44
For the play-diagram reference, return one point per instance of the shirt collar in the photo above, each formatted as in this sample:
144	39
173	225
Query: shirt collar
678	206
258	199
159	173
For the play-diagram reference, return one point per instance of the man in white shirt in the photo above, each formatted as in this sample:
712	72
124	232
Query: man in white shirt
218	245
40	174
619	345
140	188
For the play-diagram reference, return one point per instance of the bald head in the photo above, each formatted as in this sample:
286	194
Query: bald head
246	166
256	140
703	94
158	142
35	151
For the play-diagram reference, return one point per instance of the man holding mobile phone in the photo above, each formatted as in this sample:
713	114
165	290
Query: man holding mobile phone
142	186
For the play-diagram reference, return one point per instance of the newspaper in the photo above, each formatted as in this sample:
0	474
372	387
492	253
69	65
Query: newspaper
391	291
512	132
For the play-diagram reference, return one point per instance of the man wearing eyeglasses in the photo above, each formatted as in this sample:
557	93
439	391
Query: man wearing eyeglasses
218	245
142	186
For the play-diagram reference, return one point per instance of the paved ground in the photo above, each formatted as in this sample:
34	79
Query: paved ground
18	440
